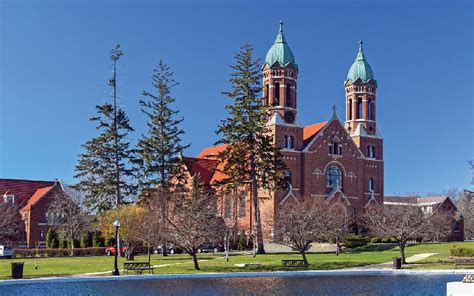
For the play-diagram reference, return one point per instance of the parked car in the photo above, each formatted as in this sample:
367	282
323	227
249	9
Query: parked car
6	252
210	248
170	249
111	250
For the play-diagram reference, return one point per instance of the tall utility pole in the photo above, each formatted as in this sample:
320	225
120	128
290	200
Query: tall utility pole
115	55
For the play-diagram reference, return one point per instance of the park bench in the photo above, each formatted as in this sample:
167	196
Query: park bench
294	264
463	261
137	266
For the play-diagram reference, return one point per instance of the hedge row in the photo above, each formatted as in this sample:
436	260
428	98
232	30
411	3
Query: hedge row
385	240
462	252
59	252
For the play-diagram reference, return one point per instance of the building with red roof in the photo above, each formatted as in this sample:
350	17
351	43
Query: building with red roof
341	162
32	198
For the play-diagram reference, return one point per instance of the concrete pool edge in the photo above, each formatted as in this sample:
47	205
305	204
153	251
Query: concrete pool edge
73	279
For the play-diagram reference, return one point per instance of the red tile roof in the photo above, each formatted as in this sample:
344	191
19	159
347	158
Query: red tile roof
37	196
201	166
311	130
22	189
212	152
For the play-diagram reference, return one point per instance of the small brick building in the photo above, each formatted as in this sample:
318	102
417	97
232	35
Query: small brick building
341	162
32	199
441	206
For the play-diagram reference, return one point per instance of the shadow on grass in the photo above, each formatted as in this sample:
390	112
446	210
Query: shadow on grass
374	247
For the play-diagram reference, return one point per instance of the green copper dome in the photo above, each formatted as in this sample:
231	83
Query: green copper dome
360	68
280	51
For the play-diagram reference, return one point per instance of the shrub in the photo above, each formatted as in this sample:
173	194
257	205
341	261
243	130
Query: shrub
462	252
86	240
59	252
393	240
97	239
355	241
386	240
63	243
376	240
242	243
52	239
110	241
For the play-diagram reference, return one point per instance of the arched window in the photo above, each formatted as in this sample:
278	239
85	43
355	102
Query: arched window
288	97
267	94
276	101
359	108
371	151
369	109
289	142
333	177
288	179
371	184
350	109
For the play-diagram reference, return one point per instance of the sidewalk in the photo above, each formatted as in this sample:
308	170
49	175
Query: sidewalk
388	265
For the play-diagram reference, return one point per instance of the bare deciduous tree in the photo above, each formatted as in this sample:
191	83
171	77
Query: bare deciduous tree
193	220
300	223
466	208
336	226
66	217
402	222
9	222
440	226
151	228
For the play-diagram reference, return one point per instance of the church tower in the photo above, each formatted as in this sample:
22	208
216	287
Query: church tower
280	73
361	88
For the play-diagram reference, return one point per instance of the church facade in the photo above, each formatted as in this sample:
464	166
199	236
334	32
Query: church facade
341	162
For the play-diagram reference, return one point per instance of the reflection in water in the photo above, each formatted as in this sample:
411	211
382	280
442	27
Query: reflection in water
278	285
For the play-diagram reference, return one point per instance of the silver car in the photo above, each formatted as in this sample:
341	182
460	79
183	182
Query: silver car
6	252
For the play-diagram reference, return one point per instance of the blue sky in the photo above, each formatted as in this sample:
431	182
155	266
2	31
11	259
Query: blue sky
54	67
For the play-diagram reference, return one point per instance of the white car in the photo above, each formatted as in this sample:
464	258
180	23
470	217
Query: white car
6	252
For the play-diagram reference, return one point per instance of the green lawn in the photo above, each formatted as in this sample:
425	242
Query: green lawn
370	254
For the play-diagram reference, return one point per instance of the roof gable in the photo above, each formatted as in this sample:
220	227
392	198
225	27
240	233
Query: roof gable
310	142
22	189
202	167
39	193
310	131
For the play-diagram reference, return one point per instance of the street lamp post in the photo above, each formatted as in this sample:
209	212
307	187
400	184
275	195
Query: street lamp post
117	245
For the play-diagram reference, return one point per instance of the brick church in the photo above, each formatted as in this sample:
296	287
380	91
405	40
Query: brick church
341	162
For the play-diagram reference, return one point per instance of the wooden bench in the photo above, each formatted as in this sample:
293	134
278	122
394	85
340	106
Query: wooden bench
137	266
463	261
294	264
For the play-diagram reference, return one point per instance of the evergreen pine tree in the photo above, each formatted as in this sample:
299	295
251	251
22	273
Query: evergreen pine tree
250	156
104	169
159	152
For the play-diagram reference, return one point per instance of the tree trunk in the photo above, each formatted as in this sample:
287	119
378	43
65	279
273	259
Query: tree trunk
258	222
303	253
337	245
72	247
149	253
195	261
402	245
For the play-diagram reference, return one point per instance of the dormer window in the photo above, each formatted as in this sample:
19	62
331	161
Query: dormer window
9	198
